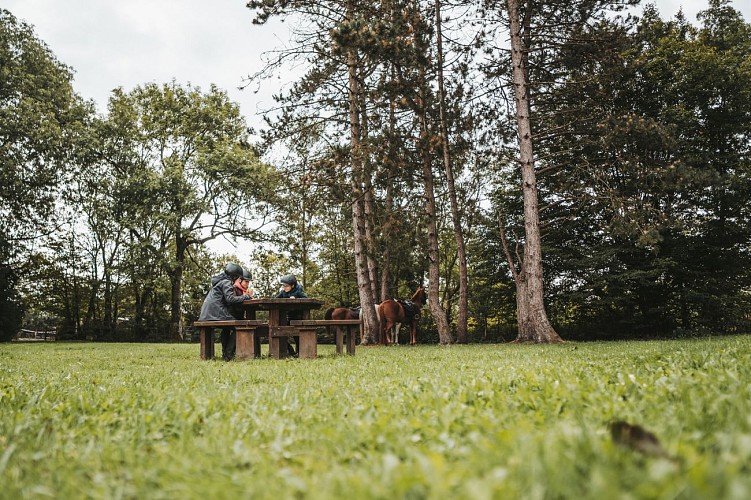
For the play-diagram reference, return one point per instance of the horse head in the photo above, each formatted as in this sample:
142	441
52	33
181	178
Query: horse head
420	297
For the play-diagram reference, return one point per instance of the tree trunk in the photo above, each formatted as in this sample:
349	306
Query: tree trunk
304	228
461	319
368	203
439	315
370	236
110	305
76	293
387	234
139	317
108	319
370	320
534	325
388	208
176	280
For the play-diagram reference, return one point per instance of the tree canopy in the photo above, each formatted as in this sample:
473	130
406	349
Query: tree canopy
399	145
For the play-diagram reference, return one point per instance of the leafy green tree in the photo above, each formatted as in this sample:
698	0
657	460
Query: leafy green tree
449	166
648	167
367	92
40	120
38	109
192	177
11	306
331	96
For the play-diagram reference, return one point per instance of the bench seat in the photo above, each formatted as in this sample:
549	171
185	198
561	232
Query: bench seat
344	327
249	333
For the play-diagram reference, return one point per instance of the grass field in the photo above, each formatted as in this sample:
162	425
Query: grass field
475	422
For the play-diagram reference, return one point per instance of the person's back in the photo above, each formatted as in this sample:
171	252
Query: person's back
221	302
216	305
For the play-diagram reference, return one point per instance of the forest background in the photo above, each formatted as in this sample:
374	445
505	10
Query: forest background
641	135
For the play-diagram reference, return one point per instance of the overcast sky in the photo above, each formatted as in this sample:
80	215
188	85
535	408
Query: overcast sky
126	43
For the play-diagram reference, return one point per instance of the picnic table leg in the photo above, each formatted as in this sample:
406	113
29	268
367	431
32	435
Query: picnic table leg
207	343
248	343
275	348
351	340
277	345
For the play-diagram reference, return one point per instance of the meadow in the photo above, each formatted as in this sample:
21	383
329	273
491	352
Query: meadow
83	420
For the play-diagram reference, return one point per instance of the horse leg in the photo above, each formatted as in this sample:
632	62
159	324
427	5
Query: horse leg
383	328
413	333
397	327
380	324
390	333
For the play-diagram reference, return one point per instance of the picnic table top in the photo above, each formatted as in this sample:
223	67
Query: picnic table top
284	303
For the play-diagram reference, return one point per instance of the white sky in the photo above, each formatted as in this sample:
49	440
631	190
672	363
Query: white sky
127	43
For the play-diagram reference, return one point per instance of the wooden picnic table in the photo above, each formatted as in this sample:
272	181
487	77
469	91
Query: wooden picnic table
279	328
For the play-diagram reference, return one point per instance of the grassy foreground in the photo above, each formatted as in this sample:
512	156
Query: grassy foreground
477	421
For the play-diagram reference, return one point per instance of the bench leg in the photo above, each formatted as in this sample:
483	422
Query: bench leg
340	332
261	331
339	339
207	343
248	343
308	346
351	341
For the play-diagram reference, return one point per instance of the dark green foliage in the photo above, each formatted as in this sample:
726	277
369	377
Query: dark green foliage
11	307
39	113
41	119
646	171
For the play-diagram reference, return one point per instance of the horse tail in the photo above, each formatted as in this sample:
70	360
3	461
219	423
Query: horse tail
328	313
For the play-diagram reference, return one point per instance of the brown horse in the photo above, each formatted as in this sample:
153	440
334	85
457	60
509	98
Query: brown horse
343	313
391	313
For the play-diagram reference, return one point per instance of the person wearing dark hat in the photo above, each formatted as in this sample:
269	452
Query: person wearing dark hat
242	287
291	289
220	302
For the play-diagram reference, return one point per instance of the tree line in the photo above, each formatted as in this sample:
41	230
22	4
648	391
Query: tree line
547	170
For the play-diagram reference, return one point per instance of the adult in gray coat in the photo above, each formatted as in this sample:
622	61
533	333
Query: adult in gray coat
217	306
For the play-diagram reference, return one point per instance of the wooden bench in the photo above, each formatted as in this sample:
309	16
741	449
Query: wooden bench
306	343
344	327
249	333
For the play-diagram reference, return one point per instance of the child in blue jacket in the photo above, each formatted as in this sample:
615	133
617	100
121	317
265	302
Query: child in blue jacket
291	289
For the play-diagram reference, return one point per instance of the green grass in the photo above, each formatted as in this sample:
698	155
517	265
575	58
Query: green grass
476	421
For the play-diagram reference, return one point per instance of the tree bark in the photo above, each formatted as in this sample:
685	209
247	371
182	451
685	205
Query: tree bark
534	325
439	315
387	229
176	281
461	319
370	320
369	204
